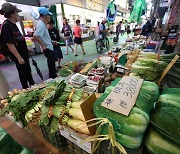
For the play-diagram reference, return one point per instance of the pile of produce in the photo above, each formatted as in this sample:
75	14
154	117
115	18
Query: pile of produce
147	67
172	78
131	57
26	106
129	130
96	65
150	67
165	120
93	80
78	80
156	143
111	77
95	73
64	72
75	118
60	111
71	67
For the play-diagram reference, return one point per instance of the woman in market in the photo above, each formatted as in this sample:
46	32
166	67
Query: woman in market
54	34
66	30
15	43
78	40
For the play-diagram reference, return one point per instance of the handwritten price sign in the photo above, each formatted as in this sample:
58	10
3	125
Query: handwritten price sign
124	95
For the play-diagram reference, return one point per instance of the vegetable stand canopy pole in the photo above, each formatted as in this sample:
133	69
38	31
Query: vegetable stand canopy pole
168	68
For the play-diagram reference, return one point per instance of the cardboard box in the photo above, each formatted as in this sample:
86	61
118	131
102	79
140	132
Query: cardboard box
87	110
75	137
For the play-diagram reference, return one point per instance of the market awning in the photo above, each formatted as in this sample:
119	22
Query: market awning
138	10
26	2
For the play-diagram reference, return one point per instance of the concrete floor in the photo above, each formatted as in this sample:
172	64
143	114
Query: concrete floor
11	74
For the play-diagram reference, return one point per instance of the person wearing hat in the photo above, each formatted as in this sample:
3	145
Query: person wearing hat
15	42
42	36
103	29
54	34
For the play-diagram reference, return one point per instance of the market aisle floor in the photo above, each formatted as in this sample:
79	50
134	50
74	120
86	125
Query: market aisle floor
11	74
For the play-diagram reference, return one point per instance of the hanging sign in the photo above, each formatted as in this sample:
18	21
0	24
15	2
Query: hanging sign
123	97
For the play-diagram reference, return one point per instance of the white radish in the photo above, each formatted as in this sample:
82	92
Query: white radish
76	114
78	125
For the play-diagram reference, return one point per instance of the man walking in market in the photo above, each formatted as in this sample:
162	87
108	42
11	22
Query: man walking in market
42	36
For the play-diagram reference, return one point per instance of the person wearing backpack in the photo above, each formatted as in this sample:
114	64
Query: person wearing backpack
15	43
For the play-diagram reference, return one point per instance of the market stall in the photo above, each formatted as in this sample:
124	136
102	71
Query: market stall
109	102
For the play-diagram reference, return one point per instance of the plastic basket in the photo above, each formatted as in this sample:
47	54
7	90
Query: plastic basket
57	140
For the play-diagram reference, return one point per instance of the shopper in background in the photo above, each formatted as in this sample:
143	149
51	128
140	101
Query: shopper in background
15	42
122	28
146	29
66	30
78	40
128	29
103	29
118	29
42	36
54	34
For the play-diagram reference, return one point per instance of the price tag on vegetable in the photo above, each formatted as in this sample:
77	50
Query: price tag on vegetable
124	95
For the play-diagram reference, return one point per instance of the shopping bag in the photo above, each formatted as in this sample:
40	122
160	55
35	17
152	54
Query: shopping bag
71	42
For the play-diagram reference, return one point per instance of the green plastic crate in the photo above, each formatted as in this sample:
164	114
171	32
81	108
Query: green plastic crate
56	139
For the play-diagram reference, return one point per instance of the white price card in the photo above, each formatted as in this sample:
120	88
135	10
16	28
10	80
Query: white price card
124	95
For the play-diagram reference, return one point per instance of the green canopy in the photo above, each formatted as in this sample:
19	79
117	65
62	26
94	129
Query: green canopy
54	16
138	10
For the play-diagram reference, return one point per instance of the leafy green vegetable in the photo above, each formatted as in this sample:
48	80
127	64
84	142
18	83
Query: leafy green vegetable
77	95
44	119
64	72
54	125
130	129
58	110
171	79
129	141
23	102
166	116
148	69
54	93
155	143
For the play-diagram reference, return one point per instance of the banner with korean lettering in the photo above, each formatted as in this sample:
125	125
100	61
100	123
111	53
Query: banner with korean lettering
124	95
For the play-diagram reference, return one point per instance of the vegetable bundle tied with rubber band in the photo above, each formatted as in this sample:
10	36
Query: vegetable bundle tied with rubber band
129	130
66	111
